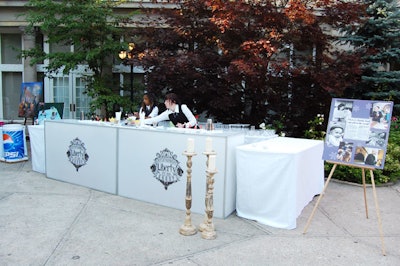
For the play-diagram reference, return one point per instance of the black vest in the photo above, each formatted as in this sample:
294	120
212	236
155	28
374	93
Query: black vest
147	111
176	118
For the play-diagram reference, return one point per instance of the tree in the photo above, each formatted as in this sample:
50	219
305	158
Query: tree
252	61
91	28
377	40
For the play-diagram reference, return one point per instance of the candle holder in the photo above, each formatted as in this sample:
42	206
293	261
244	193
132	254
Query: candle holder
203	225
208	229
188	229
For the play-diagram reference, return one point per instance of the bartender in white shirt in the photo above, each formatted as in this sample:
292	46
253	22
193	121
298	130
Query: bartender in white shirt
148	107
178	113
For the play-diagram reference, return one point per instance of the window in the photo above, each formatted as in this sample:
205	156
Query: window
11	93
11	45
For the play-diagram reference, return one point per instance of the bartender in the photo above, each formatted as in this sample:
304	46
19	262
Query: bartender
148	107
178	113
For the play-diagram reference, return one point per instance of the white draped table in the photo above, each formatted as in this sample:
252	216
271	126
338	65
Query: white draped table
277	178
36	139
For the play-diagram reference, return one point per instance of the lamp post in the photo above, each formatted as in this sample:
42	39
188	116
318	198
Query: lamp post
127	57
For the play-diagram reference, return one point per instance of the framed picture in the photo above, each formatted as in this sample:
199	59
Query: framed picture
358	132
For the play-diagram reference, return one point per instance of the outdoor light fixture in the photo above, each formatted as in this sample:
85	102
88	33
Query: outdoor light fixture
126	57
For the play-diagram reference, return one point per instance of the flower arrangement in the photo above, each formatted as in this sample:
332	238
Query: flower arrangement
270	129
263	126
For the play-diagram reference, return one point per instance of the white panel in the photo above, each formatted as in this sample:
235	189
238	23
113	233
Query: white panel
100	171
120	161
138	150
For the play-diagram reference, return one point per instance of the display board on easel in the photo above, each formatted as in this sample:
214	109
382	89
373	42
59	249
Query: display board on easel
358	132
31	95
357	136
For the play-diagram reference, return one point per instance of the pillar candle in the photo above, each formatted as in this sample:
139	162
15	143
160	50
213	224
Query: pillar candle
211	162
208	144
190	145
141	118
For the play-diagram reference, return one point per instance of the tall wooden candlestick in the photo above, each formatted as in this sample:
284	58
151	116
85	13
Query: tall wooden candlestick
208	152
209	231
188	229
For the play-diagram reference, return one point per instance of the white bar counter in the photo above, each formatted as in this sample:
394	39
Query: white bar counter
144	163
145	155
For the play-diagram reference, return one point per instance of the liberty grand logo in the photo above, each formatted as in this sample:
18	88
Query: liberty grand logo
77	153
166	168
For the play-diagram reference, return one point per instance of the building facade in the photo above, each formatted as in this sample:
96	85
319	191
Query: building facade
14	70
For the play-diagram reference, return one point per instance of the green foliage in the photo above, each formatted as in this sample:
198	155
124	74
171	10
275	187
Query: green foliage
92	29
89	26
391	171
316	128
108	98
277	125
377	41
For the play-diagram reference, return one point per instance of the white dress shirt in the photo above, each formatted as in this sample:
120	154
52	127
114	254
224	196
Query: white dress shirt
153	113
165	116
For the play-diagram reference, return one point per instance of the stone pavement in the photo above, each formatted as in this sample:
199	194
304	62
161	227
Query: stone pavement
48	222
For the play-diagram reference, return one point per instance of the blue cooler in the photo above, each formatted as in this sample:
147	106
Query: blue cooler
14	143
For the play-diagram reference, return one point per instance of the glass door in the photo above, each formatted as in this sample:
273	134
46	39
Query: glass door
70	91
81	100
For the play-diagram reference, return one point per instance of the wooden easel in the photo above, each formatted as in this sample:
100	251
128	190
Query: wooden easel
365	198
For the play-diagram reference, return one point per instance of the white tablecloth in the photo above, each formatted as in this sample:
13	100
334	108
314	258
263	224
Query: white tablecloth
36	138
253	139
277	178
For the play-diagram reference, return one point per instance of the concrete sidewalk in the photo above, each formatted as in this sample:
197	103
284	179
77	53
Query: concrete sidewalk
47	222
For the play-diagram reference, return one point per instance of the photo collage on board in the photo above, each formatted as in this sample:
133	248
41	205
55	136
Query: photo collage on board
357	132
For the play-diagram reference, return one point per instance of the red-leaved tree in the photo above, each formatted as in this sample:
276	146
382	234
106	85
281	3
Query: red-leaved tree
252	61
